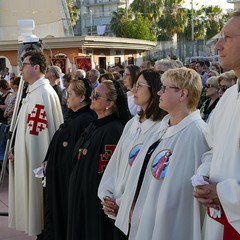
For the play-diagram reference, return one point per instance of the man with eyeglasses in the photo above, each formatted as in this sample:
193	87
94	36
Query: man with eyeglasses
199	69
220	192
39	117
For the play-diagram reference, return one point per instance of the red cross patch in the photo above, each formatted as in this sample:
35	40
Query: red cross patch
37	120
105	157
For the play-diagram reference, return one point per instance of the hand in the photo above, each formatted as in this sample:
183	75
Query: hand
109	206
44	165
10	155
207	195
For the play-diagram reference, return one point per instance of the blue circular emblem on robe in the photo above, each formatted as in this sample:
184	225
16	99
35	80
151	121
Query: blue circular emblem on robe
160	164
133	153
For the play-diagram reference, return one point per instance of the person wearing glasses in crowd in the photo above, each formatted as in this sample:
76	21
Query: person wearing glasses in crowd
38	119
220	168
129	79
163	206
199	67
58	160
53	74
91	155
135	134
225	81
212	96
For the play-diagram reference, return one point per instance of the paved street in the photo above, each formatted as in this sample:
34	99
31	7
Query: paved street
7	233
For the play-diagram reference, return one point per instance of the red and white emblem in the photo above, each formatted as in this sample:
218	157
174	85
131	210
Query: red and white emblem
37	120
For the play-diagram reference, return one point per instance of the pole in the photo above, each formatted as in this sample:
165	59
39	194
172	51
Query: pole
192	29
91	20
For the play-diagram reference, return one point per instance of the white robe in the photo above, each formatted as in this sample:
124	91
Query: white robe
222	163
40	116
165	208
126	153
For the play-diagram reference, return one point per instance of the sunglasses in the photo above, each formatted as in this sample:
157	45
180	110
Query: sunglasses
209	86
95	96
223	88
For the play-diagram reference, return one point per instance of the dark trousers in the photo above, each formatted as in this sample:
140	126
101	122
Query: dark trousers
119	235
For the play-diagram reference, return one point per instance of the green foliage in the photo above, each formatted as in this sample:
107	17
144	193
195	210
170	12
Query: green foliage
162	19
73	11
129	25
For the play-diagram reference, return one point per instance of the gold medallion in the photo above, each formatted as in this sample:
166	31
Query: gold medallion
84	151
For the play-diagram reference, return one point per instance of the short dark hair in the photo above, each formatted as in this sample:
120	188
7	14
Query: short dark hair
37	58
201	63
153	79
68	77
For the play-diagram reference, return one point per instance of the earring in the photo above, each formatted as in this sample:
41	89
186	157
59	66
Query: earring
81	100
107	108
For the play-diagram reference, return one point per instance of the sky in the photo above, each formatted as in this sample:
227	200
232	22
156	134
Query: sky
198	3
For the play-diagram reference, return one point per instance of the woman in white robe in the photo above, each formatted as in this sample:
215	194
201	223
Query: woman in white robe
134	136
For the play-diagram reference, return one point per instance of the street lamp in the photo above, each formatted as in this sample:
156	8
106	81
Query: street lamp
91	13
192	29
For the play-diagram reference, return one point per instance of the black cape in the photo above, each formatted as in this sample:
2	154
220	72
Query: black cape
86	219
59	164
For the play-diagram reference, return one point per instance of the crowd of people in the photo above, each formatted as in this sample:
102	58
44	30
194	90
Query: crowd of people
109	154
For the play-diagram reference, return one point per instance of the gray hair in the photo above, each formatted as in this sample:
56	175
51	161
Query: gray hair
95	73
80	73
167	64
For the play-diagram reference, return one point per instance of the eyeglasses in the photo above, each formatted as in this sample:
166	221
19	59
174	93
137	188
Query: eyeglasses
163	88
126	74
95	96
68	94
226	36
223	88
210	86
141	84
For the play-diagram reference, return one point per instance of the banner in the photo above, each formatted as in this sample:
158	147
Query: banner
84	63
60	62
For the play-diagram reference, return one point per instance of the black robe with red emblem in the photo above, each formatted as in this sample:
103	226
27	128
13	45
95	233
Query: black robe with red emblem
86	219
59	164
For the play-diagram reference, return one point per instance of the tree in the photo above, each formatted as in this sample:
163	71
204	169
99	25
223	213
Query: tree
207	23
73	11
129	25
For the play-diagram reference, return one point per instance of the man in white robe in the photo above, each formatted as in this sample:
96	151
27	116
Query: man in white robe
38	119
222	163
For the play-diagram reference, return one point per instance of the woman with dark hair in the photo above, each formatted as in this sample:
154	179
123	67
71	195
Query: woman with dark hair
134	136
5	89
58	160
129	79
92	152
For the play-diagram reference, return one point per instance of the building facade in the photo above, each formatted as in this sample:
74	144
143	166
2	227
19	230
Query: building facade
236	4
96	15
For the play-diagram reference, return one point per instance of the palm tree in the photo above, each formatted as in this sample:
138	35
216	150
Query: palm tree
118	18
73	12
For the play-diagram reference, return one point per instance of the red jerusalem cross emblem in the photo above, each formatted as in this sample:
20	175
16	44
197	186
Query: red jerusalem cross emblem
37	120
